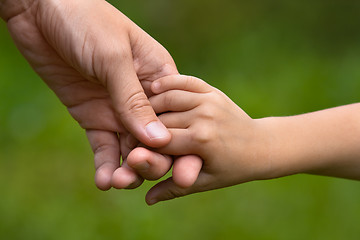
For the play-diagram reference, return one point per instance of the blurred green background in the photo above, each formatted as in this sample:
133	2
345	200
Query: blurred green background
272	57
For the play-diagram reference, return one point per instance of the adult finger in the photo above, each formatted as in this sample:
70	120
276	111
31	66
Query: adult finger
130	102
101	113
175	101
180	82
105	146
127	144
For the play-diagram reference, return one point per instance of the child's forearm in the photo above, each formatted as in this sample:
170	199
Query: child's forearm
324	143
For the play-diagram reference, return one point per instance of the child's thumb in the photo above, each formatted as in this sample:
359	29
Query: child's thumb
165	190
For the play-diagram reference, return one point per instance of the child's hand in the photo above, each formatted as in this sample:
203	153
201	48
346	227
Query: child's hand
205	122
235	148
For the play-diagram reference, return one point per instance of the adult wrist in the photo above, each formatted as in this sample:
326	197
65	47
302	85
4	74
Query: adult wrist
12	8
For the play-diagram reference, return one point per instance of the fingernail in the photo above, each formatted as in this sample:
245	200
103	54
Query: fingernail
156	130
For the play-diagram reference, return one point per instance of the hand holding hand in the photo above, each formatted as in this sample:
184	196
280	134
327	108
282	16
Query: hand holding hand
204	122
236	149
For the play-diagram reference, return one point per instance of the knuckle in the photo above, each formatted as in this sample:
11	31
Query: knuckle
189	81
204	134
104	58
209	112
76	114
174	193
113	48
214	95
101	153
137	102
122	54
115	52
168	99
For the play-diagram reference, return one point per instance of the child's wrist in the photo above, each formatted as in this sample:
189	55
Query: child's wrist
274	150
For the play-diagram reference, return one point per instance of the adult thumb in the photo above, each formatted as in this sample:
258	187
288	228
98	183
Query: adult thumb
131	104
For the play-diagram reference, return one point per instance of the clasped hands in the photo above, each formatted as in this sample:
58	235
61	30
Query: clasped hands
124	89
101	65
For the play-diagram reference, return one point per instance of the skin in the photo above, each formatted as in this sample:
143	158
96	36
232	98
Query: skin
236	148
100	65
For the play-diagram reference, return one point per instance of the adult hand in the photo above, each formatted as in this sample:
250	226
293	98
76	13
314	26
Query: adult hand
98	63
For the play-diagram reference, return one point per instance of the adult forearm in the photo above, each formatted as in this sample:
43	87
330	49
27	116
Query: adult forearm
11	8
324	143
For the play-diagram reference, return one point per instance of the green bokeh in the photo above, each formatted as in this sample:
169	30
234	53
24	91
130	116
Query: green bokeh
272	57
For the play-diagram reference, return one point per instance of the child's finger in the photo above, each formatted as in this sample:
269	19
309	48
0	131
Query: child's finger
165	190
168	189
175	101
180	82
125	178
150	165
177	119
186	170
181	143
